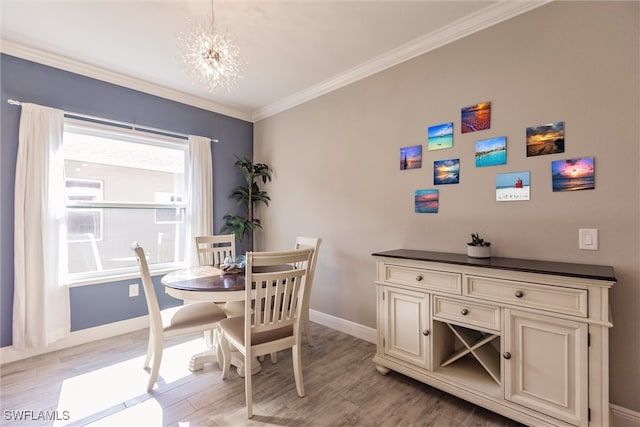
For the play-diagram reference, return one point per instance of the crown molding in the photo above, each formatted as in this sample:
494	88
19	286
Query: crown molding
78	67
466	26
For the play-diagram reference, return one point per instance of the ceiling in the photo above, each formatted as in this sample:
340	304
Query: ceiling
295	50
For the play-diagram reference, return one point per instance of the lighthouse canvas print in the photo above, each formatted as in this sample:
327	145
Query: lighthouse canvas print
573	174
411	157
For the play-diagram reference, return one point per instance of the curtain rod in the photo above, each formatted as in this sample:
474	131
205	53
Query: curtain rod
118	123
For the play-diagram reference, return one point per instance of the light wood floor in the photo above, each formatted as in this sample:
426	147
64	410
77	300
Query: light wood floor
102	383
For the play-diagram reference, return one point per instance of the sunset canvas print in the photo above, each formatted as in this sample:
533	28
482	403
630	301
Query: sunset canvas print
446	171
545	139
411	157
476	117
573	174
513	186
440	137
426	201
491	152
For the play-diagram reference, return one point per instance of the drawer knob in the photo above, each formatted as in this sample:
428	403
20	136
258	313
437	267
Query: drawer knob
464	311
519	294
426	332
506	355
419	278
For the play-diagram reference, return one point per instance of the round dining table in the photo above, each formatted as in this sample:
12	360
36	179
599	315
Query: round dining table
205	283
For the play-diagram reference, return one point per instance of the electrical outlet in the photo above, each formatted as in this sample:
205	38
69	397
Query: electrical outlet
134	290
588	239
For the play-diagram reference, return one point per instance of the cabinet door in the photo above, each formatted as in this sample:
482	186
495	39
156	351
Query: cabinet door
546	365
407	332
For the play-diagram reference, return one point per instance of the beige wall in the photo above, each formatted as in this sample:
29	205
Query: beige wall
336	161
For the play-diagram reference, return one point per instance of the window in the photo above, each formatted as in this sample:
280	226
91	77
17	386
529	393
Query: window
122	186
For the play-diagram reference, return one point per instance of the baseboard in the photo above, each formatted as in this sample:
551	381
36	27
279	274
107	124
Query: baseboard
8	354
623	417
346	326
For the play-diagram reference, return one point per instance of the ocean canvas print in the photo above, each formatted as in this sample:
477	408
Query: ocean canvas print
573	174
545	139
411	157
491	152
446	171
426	201
513	186
476	117
440	137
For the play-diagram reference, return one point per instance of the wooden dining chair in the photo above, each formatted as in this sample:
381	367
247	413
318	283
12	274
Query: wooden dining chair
170	322
272	313
303	243
212	250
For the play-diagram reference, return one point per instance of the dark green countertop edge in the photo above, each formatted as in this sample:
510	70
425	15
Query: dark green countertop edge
583	271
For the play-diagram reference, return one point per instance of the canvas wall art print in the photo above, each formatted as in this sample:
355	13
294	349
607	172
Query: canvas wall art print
491	152
476	117
446	171
411	157
573	174
512	186
440	137
545	139
426	201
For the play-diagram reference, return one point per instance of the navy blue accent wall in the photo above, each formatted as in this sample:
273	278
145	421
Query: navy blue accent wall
31	82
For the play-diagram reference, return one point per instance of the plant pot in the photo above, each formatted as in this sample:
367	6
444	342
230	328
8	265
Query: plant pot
479	251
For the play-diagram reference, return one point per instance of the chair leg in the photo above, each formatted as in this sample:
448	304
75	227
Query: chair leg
155	368
307	329
274	358
248	391
149	351
297	368
225	364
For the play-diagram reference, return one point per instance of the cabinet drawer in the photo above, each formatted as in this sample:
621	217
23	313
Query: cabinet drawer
466	313
550	298
426	279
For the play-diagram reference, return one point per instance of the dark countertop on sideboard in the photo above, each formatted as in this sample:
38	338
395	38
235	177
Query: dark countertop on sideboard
585	271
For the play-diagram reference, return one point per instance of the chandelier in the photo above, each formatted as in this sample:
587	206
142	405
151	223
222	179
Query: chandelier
211	58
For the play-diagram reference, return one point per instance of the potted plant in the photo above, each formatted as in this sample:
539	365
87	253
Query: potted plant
478	247
249	195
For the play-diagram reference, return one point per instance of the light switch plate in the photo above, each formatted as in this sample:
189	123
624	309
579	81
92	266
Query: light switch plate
588	239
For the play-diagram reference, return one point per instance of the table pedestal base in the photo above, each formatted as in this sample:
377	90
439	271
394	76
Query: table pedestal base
214	356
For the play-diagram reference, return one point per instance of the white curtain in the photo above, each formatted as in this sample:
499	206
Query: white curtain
41	299
200	191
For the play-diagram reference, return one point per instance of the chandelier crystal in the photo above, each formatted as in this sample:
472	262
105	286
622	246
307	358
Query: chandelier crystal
211	58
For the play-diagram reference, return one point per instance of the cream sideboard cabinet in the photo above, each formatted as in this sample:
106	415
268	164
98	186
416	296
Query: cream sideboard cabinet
526	339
